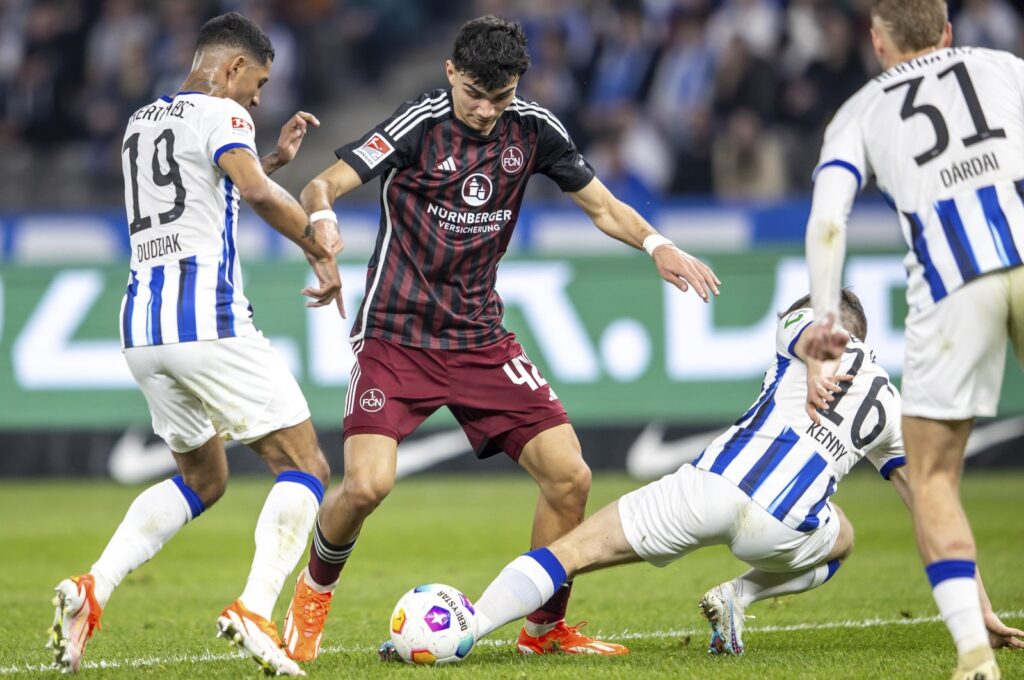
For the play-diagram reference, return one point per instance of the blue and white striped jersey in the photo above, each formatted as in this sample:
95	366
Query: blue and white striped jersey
943	135
788	465
185	281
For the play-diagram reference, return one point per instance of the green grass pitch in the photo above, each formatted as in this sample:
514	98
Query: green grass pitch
874	619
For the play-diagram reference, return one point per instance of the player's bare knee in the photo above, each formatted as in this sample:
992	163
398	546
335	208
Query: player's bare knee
363	494
570	488
581	481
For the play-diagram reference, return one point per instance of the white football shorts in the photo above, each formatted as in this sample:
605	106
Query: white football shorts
239	388
956	349
693	508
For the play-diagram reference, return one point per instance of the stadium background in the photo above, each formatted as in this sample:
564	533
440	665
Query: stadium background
706	116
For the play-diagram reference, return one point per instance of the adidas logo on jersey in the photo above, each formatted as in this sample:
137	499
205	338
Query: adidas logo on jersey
447	165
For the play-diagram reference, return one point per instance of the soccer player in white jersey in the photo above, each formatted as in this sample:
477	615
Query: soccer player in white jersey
189	339
762	488
942	132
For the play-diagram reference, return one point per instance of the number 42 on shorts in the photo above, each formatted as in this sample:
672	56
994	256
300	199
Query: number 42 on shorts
521	371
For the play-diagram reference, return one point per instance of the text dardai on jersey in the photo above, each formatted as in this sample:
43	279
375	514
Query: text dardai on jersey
972	167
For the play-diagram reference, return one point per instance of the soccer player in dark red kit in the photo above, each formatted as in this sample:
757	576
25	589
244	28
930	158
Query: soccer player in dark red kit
453	167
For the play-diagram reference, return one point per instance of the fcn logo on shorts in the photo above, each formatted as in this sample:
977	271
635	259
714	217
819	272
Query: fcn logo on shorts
371	400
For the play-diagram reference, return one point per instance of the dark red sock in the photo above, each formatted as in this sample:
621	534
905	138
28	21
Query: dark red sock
326	559
553	610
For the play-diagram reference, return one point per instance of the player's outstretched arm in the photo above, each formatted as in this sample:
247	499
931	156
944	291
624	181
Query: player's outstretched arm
289	141
834	191
622	222
822	381
999	634
317	200
271	202
281	211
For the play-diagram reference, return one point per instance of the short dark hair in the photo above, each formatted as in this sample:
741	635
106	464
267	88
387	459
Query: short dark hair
851	312
913	25
491	50
234	30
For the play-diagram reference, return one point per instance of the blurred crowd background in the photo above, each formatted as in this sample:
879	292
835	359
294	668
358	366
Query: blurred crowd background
722	98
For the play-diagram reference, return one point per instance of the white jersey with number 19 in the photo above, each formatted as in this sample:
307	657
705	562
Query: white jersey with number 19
185	282
943	135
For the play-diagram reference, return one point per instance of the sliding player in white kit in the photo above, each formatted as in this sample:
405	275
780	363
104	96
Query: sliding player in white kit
762	488
942	132
189	339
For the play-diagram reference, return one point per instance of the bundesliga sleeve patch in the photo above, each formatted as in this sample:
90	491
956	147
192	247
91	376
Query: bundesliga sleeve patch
240	124
374	150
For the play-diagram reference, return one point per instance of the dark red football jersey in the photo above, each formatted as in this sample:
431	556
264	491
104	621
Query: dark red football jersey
450	198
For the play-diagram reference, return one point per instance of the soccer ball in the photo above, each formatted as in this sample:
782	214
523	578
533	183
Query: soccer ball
433	624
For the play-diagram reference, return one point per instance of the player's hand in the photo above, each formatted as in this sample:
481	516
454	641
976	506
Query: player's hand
1001	635
326	269
292	134
683	270
820	393
824	340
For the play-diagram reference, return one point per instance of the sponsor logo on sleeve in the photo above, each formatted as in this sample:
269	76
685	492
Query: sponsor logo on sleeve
512	160
374	150
240	124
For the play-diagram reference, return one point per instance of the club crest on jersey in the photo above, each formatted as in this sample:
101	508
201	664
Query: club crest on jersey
372	400
240	124
374	150
477	189
512	160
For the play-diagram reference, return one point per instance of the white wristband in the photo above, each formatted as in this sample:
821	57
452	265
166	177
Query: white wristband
323	215
655	240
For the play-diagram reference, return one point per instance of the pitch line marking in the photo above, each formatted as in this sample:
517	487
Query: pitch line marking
205	657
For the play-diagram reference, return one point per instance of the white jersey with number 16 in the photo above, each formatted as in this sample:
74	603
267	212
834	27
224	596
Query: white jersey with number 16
185	282
943	135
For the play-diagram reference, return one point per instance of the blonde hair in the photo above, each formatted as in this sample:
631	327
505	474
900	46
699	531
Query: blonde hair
913	25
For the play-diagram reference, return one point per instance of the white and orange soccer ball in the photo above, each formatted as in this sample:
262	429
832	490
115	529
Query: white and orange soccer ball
433	624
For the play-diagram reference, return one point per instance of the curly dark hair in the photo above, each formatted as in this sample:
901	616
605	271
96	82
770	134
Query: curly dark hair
491	50
851	313
234	30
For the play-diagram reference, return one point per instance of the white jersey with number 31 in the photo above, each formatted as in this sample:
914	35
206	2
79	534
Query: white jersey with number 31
943	135
185	282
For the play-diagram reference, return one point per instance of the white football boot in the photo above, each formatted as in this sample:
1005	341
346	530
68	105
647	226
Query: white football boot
723	612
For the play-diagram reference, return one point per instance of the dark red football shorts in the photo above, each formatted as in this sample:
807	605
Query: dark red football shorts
495	392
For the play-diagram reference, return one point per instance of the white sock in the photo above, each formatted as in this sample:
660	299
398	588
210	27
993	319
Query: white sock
960	608
153	518
281	534
760	585
956	594
522	587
